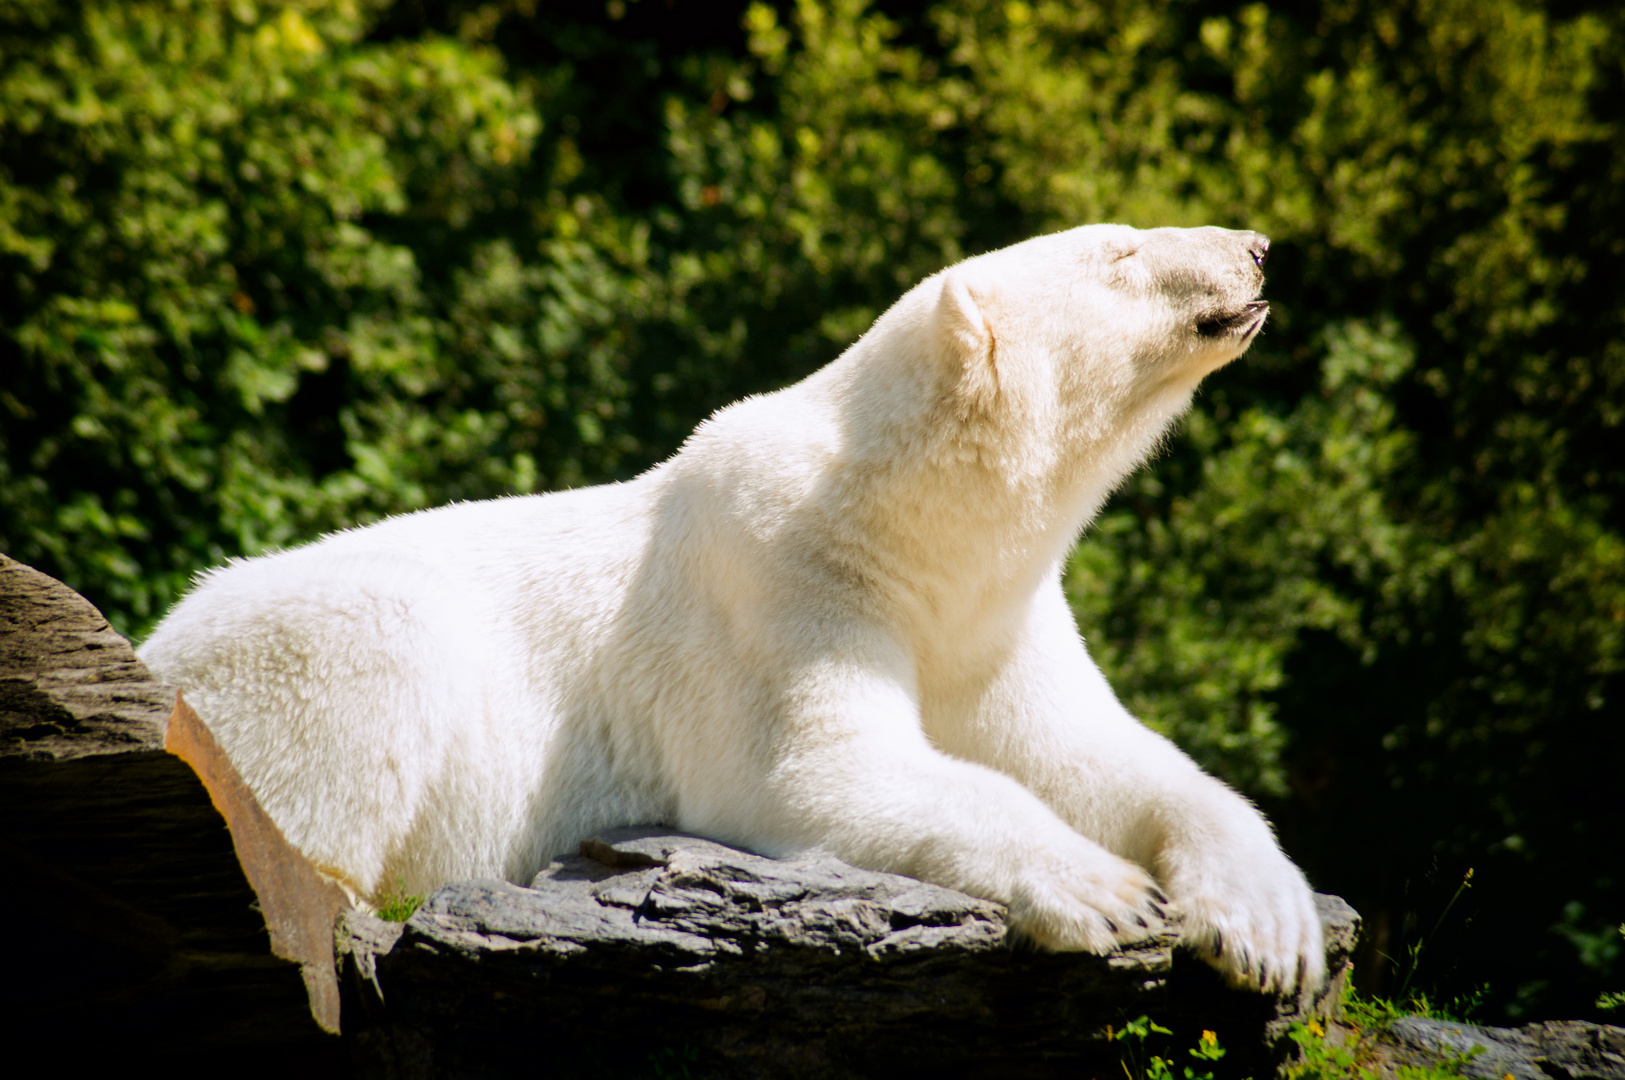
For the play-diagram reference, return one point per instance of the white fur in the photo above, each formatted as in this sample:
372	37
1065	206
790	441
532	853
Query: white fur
834	619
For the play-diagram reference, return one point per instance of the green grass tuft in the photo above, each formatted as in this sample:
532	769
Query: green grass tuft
397	905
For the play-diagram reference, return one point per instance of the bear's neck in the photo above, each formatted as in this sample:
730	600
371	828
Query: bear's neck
961	519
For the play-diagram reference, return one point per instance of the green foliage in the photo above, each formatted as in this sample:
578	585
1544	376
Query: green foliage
803	221
219	335
1347	1052
1198	598
1140	1064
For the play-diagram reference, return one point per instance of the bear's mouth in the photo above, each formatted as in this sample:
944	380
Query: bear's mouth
1243	322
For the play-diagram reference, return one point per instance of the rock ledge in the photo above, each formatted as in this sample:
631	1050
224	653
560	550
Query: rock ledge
650	943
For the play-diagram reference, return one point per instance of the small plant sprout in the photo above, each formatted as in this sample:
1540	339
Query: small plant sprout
1415	950
1138	1065
397	905
1614	1001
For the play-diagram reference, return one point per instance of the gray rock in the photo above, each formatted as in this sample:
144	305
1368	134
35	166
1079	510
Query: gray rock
1570	1049
1567	1050
653	947
135	935
1417	1040
70	685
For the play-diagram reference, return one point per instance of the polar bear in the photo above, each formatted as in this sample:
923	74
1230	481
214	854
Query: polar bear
832	620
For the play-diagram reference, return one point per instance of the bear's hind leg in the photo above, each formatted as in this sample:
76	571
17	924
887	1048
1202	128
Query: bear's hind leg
337	685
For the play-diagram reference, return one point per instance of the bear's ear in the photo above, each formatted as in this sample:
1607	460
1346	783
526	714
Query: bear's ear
966	336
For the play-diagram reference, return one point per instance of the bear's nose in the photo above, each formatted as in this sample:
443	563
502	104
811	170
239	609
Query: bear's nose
1259	249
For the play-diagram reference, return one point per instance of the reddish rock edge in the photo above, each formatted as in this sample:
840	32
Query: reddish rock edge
299	904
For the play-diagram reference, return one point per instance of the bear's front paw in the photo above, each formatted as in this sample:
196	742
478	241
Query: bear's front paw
1089	900
1252	918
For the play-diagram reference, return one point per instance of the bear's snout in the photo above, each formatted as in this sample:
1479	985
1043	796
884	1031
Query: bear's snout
1259	248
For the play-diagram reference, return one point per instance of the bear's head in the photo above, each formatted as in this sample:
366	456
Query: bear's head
1037	376
1042	374
1106	320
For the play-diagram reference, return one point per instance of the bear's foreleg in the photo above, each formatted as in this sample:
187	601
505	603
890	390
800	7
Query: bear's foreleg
1049	720
851	772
